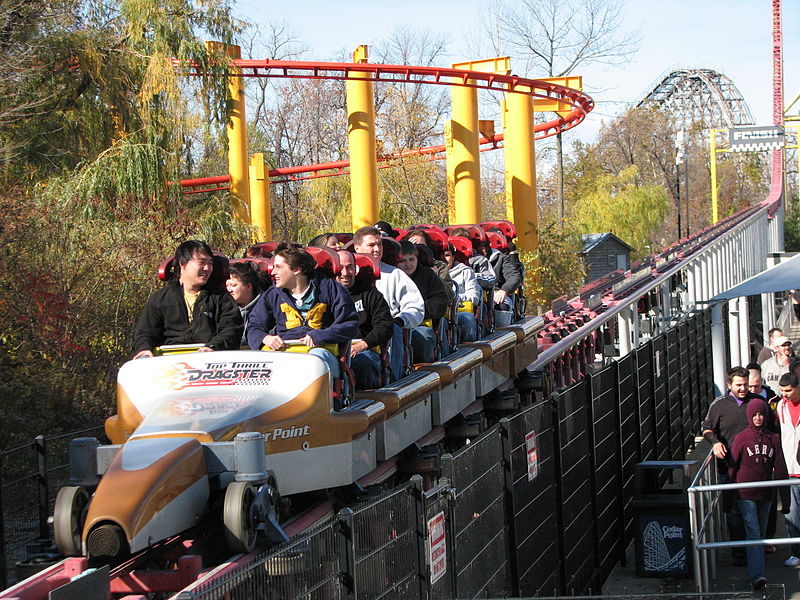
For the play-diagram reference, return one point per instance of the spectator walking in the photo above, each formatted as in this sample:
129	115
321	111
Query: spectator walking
726	417
773	368
768	351
788	412
756	455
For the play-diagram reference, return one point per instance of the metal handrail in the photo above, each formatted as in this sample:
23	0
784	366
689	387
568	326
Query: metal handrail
704	519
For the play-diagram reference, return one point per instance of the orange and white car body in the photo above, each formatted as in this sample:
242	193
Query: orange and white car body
177	417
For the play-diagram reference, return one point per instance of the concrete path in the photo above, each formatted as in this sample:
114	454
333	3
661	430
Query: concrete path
623	580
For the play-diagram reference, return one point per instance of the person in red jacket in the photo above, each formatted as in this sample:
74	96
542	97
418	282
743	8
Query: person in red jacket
756	455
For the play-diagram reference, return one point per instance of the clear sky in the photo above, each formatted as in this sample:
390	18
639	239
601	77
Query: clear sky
731	36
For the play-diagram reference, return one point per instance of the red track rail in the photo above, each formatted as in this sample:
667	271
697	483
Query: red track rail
581	104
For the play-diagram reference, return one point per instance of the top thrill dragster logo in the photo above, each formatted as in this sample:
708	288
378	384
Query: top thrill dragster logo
183	375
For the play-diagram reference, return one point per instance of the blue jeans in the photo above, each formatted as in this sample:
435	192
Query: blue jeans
329	359
467	327
755	514
793	518
396	351
423	342
366	367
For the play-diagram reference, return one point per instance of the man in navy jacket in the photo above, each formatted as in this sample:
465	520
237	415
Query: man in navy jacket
302	305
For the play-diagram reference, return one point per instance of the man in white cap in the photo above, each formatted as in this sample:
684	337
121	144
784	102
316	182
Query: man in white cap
773	368
768	351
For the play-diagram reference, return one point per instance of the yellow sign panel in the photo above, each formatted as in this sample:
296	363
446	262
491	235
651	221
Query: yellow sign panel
562	108
500	65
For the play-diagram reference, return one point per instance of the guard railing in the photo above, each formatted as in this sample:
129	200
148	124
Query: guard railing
705	518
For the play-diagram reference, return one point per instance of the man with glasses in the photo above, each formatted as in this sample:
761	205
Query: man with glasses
187	310
756	386
773	368
768	351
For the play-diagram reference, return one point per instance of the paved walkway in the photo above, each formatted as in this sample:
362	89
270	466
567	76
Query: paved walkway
623	580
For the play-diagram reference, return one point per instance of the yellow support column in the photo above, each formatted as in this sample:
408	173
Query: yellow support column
361	138
237	132
260	208
713	161
520	162
450	167
463	150
463	156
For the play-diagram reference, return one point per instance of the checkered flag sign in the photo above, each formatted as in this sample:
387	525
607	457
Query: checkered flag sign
752	139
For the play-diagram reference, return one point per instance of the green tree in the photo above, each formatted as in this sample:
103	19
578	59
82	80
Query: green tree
87	191
555	269
634	213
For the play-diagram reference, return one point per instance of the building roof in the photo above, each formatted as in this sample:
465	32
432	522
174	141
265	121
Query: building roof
590	240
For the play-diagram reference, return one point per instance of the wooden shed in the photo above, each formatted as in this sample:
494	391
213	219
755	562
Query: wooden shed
603	253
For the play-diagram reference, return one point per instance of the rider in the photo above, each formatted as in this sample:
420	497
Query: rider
302	305
188	310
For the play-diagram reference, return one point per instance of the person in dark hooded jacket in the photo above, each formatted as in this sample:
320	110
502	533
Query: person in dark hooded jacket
756	455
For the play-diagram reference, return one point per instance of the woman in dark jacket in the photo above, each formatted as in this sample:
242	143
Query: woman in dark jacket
245	285
756	455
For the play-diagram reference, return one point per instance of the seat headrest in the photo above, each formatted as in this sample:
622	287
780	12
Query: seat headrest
261	250
462	245
475	231
497	241
368	265
327	259
507	227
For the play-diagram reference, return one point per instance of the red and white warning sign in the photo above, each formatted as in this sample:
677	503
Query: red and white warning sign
437	547
533	455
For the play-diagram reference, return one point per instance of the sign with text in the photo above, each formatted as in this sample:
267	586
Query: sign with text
532	453
750	139
437	547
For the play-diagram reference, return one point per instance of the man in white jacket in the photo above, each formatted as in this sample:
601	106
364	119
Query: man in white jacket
788	413
404	300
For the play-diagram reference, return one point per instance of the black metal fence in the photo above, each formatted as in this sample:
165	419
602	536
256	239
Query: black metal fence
32	474
538	505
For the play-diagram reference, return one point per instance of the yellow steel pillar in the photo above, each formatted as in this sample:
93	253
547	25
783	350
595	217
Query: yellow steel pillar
361	138
463	156
260	208
713	162
463	152
237	132
520	162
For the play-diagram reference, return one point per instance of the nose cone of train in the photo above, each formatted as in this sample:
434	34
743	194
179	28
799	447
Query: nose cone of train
153	489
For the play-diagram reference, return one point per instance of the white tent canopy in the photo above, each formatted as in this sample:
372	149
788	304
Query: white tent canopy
783	276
